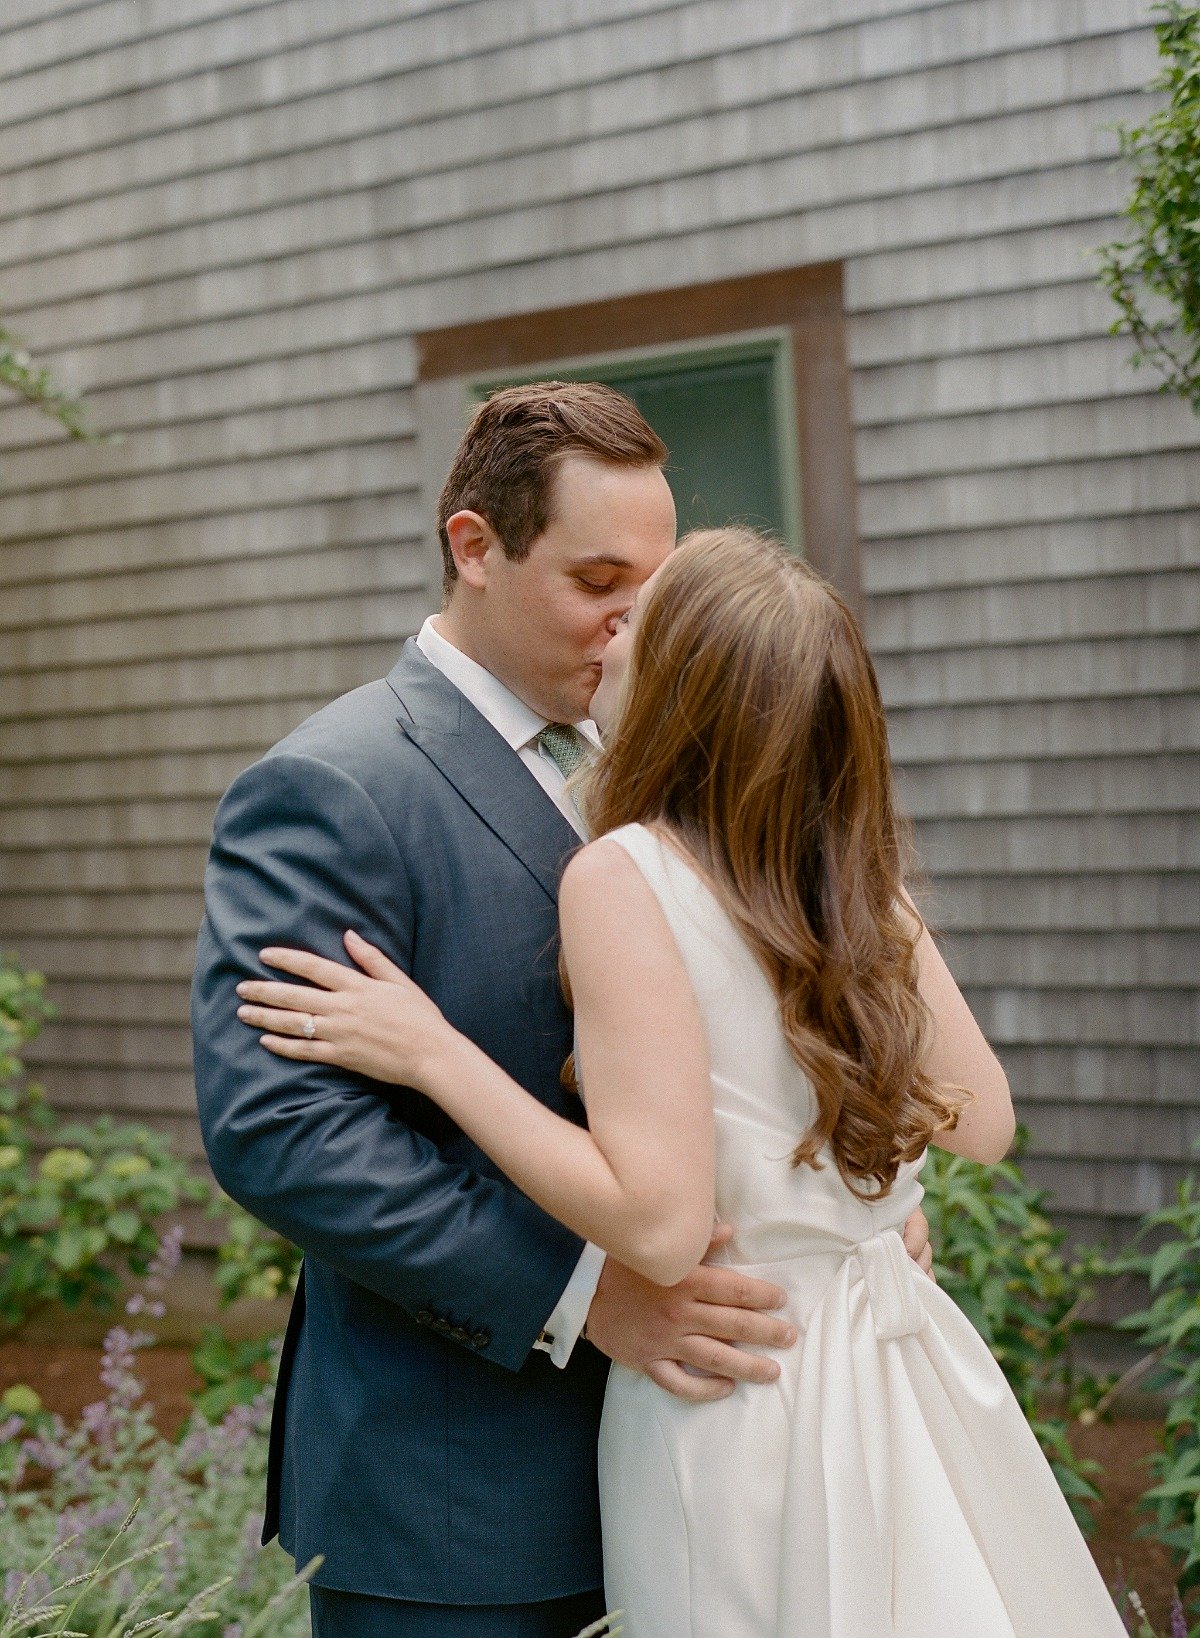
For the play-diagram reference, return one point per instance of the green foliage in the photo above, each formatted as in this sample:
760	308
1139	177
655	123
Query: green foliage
1154	275
1000	1258
195	1547
233	1371
78	1200
1169	1330
38	387
94	1596
252	1261
25	1009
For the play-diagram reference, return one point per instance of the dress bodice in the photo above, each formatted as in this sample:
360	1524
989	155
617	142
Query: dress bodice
763	1101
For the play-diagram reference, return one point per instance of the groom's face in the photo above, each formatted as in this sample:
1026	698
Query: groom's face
550	617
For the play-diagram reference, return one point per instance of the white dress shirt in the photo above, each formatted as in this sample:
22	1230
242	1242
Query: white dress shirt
519	727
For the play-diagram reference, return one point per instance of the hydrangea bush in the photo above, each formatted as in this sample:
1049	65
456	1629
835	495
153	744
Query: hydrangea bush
79	1202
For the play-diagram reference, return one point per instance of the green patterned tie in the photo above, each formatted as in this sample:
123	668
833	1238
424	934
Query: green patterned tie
565	746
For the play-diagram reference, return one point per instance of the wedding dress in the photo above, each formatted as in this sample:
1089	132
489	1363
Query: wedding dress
887	1485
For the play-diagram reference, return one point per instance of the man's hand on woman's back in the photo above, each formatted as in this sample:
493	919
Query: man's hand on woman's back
707	1323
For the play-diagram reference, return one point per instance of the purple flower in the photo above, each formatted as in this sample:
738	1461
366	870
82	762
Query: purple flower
195	1447
1179	1625
166	1259
10	1427
248	1549
237	1425
78	1521
30	1589
45	1453
117	1366
99	1422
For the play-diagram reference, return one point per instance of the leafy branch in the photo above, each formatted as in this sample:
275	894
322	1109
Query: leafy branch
1154	275
38	387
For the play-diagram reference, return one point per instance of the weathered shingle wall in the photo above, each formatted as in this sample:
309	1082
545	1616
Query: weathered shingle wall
228	221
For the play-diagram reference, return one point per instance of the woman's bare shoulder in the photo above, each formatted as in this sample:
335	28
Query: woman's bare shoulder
596	870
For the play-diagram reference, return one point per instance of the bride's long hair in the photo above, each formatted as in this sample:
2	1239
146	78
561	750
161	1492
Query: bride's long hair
752	728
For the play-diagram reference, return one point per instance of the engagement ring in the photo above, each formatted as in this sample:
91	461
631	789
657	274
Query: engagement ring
310	1027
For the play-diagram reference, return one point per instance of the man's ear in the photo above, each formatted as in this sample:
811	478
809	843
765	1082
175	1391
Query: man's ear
471	538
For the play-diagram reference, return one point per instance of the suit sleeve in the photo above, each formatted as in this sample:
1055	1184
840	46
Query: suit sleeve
300	853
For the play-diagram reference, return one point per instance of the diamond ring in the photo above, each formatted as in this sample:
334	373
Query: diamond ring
310	1027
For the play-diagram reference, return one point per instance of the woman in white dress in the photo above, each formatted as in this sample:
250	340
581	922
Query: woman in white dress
765	1031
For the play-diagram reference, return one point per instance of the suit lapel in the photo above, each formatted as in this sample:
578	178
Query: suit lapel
485	771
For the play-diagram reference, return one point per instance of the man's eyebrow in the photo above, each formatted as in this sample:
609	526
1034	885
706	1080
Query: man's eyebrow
607	558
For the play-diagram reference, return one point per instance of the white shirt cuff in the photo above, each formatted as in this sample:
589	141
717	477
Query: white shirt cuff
561	1331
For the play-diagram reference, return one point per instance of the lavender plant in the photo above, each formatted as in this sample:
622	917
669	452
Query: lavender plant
64	1491
1138	1623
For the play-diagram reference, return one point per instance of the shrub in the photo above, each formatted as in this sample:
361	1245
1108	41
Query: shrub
1001	1259
252	1261
78	1200
1169	1329
1154	276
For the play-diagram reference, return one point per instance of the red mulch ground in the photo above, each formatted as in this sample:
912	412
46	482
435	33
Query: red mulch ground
1121	1447
65	1375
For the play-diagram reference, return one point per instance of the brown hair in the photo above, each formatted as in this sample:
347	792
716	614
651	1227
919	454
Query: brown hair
753	731
505	465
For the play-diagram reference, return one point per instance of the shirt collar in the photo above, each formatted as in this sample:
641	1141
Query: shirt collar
512	719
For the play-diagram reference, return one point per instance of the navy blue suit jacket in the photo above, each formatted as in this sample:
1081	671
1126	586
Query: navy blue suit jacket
417	1442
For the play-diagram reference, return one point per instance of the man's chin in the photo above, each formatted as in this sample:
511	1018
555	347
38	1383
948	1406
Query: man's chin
580	707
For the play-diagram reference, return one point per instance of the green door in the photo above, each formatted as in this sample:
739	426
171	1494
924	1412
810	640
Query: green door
719	421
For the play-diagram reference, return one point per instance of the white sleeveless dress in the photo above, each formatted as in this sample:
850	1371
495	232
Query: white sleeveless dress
888	1485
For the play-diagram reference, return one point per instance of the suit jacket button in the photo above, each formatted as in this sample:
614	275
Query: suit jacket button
423	1316
481	1339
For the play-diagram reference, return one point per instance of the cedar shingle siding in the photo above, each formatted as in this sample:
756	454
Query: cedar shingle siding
229	222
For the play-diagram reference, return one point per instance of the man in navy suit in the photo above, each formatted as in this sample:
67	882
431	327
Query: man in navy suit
436	1419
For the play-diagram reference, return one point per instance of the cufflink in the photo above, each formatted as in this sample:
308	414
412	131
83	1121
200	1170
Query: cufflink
546	1338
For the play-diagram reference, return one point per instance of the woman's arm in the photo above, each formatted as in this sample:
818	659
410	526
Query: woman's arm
960	1055
640	1181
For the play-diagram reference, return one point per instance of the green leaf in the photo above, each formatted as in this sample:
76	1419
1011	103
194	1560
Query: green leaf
68	1248
123	1226
1166	1260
